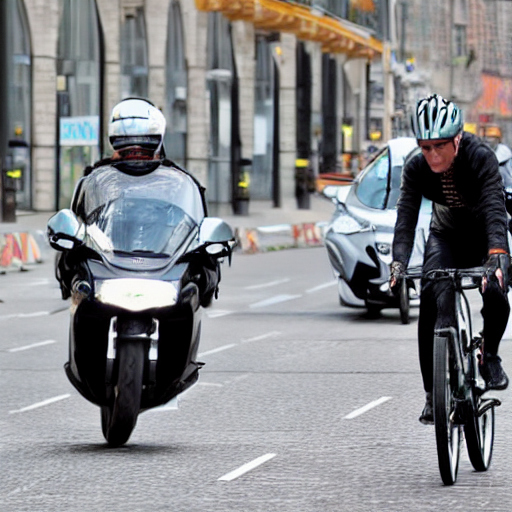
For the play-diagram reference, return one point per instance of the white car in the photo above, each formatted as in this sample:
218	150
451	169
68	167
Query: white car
360	234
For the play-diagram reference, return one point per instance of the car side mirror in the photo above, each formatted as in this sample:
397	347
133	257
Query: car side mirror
63	231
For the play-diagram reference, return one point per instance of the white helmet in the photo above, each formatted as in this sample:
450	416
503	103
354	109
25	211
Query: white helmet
136	122
436	118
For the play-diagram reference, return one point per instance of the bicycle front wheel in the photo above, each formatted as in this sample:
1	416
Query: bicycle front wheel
479	432
448	433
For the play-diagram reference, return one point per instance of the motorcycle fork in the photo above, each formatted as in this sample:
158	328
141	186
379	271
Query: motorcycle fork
145	330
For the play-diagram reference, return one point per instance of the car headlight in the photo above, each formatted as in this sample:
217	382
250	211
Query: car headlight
384	251
346	225
136	294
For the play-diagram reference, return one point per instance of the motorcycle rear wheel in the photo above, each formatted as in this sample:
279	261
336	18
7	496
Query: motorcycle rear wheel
118	419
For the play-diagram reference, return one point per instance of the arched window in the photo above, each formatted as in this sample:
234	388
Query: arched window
220	74
20	101
176	78
79	78
134	54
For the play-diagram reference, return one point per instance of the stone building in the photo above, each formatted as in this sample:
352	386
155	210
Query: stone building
259	95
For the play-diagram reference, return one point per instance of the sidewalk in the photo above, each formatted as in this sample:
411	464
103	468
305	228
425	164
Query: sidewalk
264	228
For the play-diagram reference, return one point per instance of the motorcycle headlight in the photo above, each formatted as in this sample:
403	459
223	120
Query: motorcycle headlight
346	225
136	294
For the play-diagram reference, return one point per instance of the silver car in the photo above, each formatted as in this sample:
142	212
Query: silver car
359	236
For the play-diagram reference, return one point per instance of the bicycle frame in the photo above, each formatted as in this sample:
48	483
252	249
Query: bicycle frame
457	391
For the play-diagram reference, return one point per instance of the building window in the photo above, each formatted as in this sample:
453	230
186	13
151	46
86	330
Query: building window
176	90
19	102
460	49
134	54
79	78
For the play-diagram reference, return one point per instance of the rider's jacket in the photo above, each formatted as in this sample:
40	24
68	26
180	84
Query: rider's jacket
467	198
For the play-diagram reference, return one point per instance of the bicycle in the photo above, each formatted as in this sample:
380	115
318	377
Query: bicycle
457	385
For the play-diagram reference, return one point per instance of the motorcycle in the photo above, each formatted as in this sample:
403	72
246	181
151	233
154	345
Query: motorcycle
137	286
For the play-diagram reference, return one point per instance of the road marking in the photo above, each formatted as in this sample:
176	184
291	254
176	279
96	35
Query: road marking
25	315
218	313
322	287
267	285
367	407
271	334
274	300
215	350
38	282
33	345
247	467
41	404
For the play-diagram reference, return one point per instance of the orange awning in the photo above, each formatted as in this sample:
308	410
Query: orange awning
334	34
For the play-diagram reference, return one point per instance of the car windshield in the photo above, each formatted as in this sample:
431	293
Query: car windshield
372	187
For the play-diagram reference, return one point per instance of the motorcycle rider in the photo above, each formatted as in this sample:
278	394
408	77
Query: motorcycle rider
136	132
459	173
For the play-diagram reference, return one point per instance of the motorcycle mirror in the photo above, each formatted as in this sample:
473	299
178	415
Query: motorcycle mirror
63	230
215	231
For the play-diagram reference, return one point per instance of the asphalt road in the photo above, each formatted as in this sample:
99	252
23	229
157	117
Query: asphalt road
302	406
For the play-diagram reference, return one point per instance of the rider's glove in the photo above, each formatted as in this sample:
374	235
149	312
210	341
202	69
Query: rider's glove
396	275
498	260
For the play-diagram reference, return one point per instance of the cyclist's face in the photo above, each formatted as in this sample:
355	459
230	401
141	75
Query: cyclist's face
440	153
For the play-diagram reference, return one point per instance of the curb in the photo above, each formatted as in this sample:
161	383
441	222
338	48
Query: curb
21	248
279	237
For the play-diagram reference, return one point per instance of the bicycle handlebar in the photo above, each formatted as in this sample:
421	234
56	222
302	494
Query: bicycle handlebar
454	274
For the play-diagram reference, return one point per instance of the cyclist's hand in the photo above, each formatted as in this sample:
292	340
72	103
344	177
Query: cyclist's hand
496	267
396	275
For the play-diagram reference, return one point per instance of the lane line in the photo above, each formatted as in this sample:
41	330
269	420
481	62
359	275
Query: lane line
267	285
276	299
322	287
367	407
33	345
218	313
215	350
271	334
41	404
247	467
25	315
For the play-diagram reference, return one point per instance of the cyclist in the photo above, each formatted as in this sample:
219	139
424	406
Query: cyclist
459	173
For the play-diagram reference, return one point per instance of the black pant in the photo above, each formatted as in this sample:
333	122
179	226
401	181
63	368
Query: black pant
456	250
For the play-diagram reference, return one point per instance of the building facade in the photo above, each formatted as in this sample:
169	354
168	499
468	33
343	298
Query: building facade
259	95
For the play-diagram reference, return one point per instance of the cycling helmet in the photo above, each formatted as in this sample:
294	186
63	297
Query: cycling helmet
436	118
136	123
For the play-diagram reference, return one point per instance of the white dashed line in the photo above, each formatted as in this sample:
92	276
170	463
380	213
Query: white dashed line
247	467
267	285
33	345
322	287
218	313
41	404
271	334
215	350
367	407
25	315
274	300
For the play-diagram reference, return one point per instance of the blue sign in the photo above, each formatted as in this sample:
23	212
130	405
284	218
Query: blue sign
79	131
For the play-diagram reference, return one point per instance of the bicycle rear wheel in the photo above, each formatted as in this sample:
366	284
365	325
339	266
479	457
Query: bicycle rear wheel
479	432
448	434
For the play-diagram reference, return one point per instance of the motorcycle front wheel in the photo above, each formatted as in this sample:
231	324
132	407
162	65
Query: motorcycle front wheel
118	419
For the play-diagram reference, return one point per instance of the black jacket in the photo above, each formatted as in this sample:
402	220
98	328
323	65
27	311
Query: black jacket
477	180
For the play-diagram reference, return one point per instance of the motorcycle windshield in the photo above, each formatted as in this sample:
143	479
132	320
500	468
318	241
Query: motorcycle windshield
140	222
